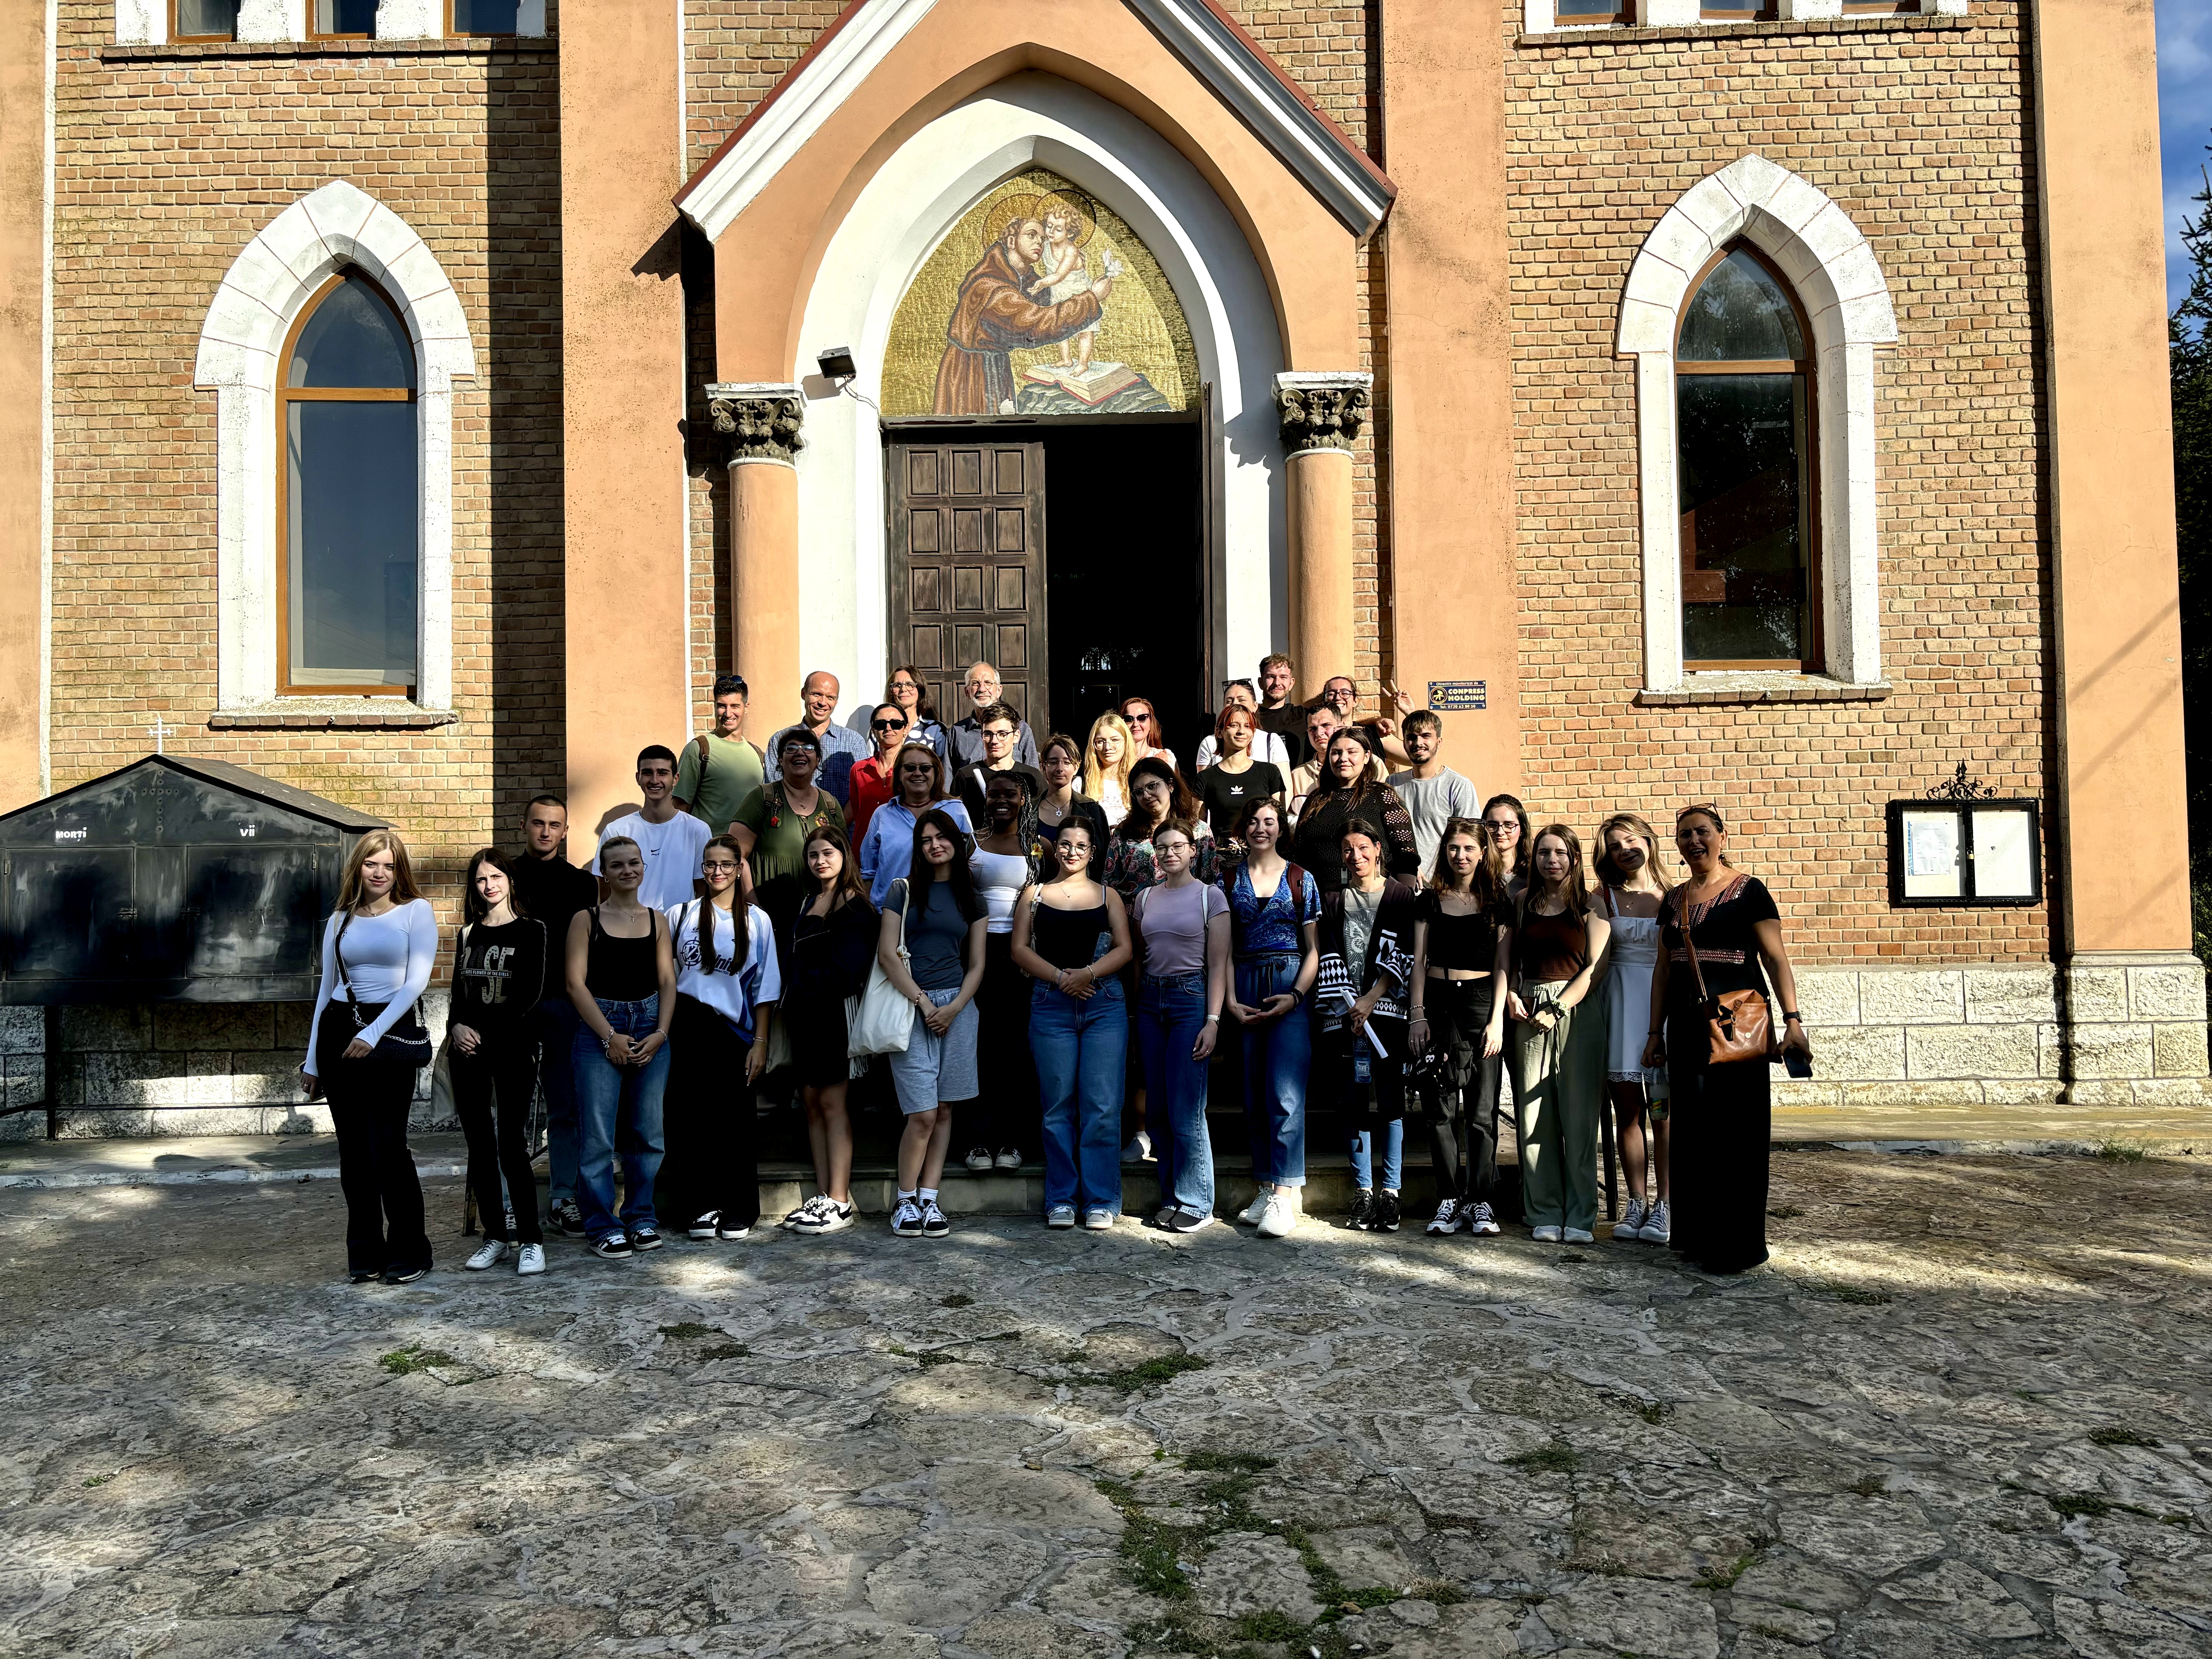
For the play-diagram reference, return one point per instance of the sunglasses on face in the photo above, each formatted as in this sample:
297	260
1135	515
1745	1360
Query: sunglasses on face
887	725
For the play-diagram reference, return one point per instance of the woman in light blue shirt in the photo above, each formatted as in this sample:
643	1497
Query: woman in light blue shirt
918	784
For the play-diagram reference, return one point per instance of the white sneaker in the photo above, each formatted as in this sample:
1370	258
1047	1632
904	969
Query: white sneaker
1097	1221
1658	1225
1446	1219
1281	1214
823	1215
1578	1236
1630	1224
532	1260
1009	1158
1481	1223
1250	1214
1546	1235
979	1159
490	1254
1061	1215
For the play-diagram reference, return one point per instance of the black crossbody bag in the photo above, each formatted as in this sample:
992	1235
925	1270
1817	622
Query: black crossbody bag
407	1042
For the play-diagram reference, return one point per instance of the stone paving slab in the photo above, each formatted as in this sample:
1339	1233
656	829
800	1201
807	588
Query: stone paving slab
1966	1412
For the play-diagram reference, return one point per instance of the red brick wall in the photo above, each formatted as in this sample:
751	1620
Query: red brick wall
167	167
1923	136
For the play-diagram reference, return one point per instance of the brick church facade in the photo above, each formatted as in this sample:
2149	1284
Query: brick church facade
1450	279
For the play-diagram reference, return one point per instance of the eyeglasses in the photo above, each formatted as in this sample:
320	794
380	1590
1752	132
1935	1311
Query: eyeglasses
887	725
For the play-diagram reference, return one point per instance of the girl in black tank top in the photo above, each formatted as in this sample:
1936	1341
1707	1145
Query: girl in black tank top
622	969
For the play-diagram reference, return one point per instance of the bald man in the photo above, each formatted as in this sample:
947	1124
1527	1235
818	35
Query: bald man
842	747
966	737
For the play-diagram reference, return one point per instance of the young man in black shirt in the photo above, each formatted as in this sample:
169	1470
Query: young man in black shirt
552	889
999	732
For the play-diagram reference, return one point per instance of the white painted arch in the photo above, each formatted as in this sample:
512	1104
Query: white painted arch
895	224
269	284
1840	282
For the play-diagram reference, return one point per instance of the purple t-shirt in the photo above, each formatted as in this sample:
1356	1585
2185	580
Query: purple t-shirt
1172	921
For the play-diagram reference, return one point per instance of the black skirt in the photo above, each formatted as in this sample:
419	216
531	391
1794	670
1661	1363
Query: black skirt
1723	1125
818	1038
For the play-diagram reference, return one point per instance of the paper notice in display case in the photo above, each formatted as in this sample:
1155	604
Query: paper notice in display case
1931	855
2004	853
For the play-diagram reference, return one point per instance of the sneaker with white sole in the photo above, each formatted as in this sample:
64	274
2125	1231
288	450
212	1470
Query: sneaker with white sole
529	1260
566	1219
1250	1214
490	1254
1188	1221
1009	1158
614	1246
934	1224
1363	1209
1281	1214
979	1159
1630	1224
1061	1215
703	1228
1659	1226
906	1220
645	1236
1097	1221
728	1227
1481	1223
1546	1235
1578	1236
827	1215
1446	1219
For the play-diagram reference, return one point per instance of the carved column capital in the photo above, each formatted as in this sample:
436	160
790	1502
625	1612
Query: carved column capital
759	421
1322	410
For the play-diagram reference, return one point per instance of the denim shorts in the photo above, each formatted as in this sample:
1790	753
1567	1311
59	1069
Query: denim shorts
936	1069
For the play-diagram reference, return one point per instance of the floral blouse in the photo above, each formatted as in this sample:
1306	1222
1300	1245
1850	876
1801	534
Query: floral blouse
1129	864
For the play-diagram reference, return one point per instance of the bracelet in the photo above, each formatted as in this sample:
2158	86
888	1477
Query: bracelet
1213	1019
1788	1014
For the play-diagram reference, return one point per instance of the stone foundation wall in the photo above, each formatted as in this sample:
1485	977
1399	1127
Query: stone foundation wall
173	1069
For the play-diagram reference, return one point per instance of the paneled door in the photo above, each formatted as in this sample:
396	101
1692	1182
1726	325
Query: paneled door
967	569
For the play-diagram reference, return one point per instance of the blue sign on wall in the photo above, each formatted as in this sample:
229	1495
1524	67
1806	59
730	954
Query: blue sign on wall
1458	696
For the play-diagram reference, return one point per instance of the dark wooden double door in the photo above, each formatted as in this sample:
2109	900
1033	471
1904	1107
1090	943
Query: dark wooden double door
968	574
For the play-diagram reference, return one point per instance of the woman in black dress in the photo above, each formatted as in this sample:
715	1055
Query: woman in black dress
833	942
1721	1114
1346	795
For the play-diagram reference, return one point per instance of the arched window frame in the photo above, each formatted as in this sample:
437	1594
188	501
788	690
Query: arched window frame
1840	290
1812	654
269	286
287	394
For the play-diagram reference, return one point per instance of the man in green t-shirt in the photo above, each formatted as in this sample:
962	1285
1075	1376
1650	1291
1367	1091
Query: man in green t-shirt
733	765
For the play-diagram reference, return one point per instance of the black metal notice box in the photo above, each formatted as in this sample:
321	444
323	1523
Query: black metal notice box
170	880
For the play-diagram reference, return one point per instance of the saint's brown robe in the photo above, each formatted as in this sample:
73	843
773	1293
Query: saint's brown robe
994	316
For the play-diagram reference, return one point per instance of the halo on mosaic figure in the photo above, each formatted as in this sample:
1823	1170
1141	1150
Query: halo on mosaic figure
1009	211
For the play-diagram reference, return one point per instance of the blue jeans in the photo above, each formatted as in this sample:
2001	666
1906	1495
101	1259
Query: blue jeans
557	1024
1394	1151
1082	1050
627	1098
1277	1058
1170	1014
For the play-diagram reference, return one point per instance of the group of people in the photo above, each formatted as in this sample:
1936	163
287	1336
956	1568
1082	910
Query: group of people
1057	942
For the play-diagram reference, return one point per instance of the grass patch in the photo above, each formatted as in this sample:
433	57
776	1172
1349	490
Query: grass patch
957	1300
1557	1458
1856	1297
2122	1152
725	1350
2119	1437
98	1480
1868	1486
1726	1577
924	1358
1272	1625
1442	1591
2072	1504
1785	1213
690	1331
1148	1373
405	1362
1212	1462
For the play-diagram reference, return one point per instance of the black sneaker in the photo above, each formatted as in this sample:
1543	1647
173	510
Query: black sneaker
934	1224
1388	1213
364	1276
645	1238
566	1219
614	1246
703	1228
399	1275
1363	1210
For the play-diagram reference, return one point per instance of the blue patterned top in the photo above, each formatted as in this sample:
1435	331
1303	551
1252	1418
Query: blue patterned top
1270	926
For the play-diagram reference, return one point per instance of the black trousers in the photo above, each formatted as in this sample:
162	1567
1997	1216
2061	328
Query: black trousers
1460	1099
1008	1114
492	1091
1721	1125
706	1123
369	1101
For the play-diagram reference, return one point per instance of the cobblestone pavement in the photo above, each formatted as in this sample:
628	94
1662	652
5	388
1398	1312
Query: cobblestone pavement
1968	1411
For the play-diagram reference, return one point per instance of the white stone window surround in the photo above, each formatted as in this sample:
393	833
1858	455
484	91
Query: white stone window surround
1840	285
268	285
146	23
1542	17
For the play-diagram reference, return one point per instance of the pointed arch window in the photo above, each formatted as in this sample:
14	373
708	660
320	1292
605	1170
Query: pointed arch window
1744	416
347	503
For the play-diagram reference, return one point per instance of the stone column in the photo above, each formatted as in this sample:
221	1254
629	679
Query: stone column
1321	415
759	422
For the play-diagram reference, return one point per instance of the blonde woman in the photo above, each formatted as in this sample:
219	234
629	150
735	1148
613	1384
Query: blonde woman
1634	897
1106	764
364	1048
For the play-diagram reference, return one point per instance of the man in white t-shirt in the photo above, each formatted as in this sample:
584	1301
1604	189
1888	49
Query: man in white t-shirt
670	841
1434	794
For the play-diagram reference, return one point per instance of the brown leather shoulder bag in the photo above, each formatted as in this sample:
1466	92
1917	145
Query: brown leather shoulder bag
1737	1023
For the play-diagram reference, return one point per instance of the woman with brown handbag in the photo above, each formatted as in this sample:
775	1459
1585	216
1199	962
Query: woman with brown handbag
1712	1029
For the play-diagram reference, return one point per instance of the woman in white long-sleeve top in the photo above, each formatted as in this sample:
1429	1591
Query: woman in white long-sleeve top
366	1044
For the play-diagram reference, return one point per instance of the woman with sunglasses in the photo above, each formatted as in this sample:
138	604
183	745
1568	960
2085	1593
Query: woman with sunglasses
920	788
1144	724
874	780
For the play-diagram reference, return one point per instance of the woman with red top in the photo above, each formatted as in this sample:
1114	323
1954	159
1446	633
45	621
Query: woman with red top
872	781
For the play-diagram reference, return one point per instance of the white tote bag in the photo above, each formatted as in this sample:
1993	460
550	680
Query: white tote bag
880	1020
